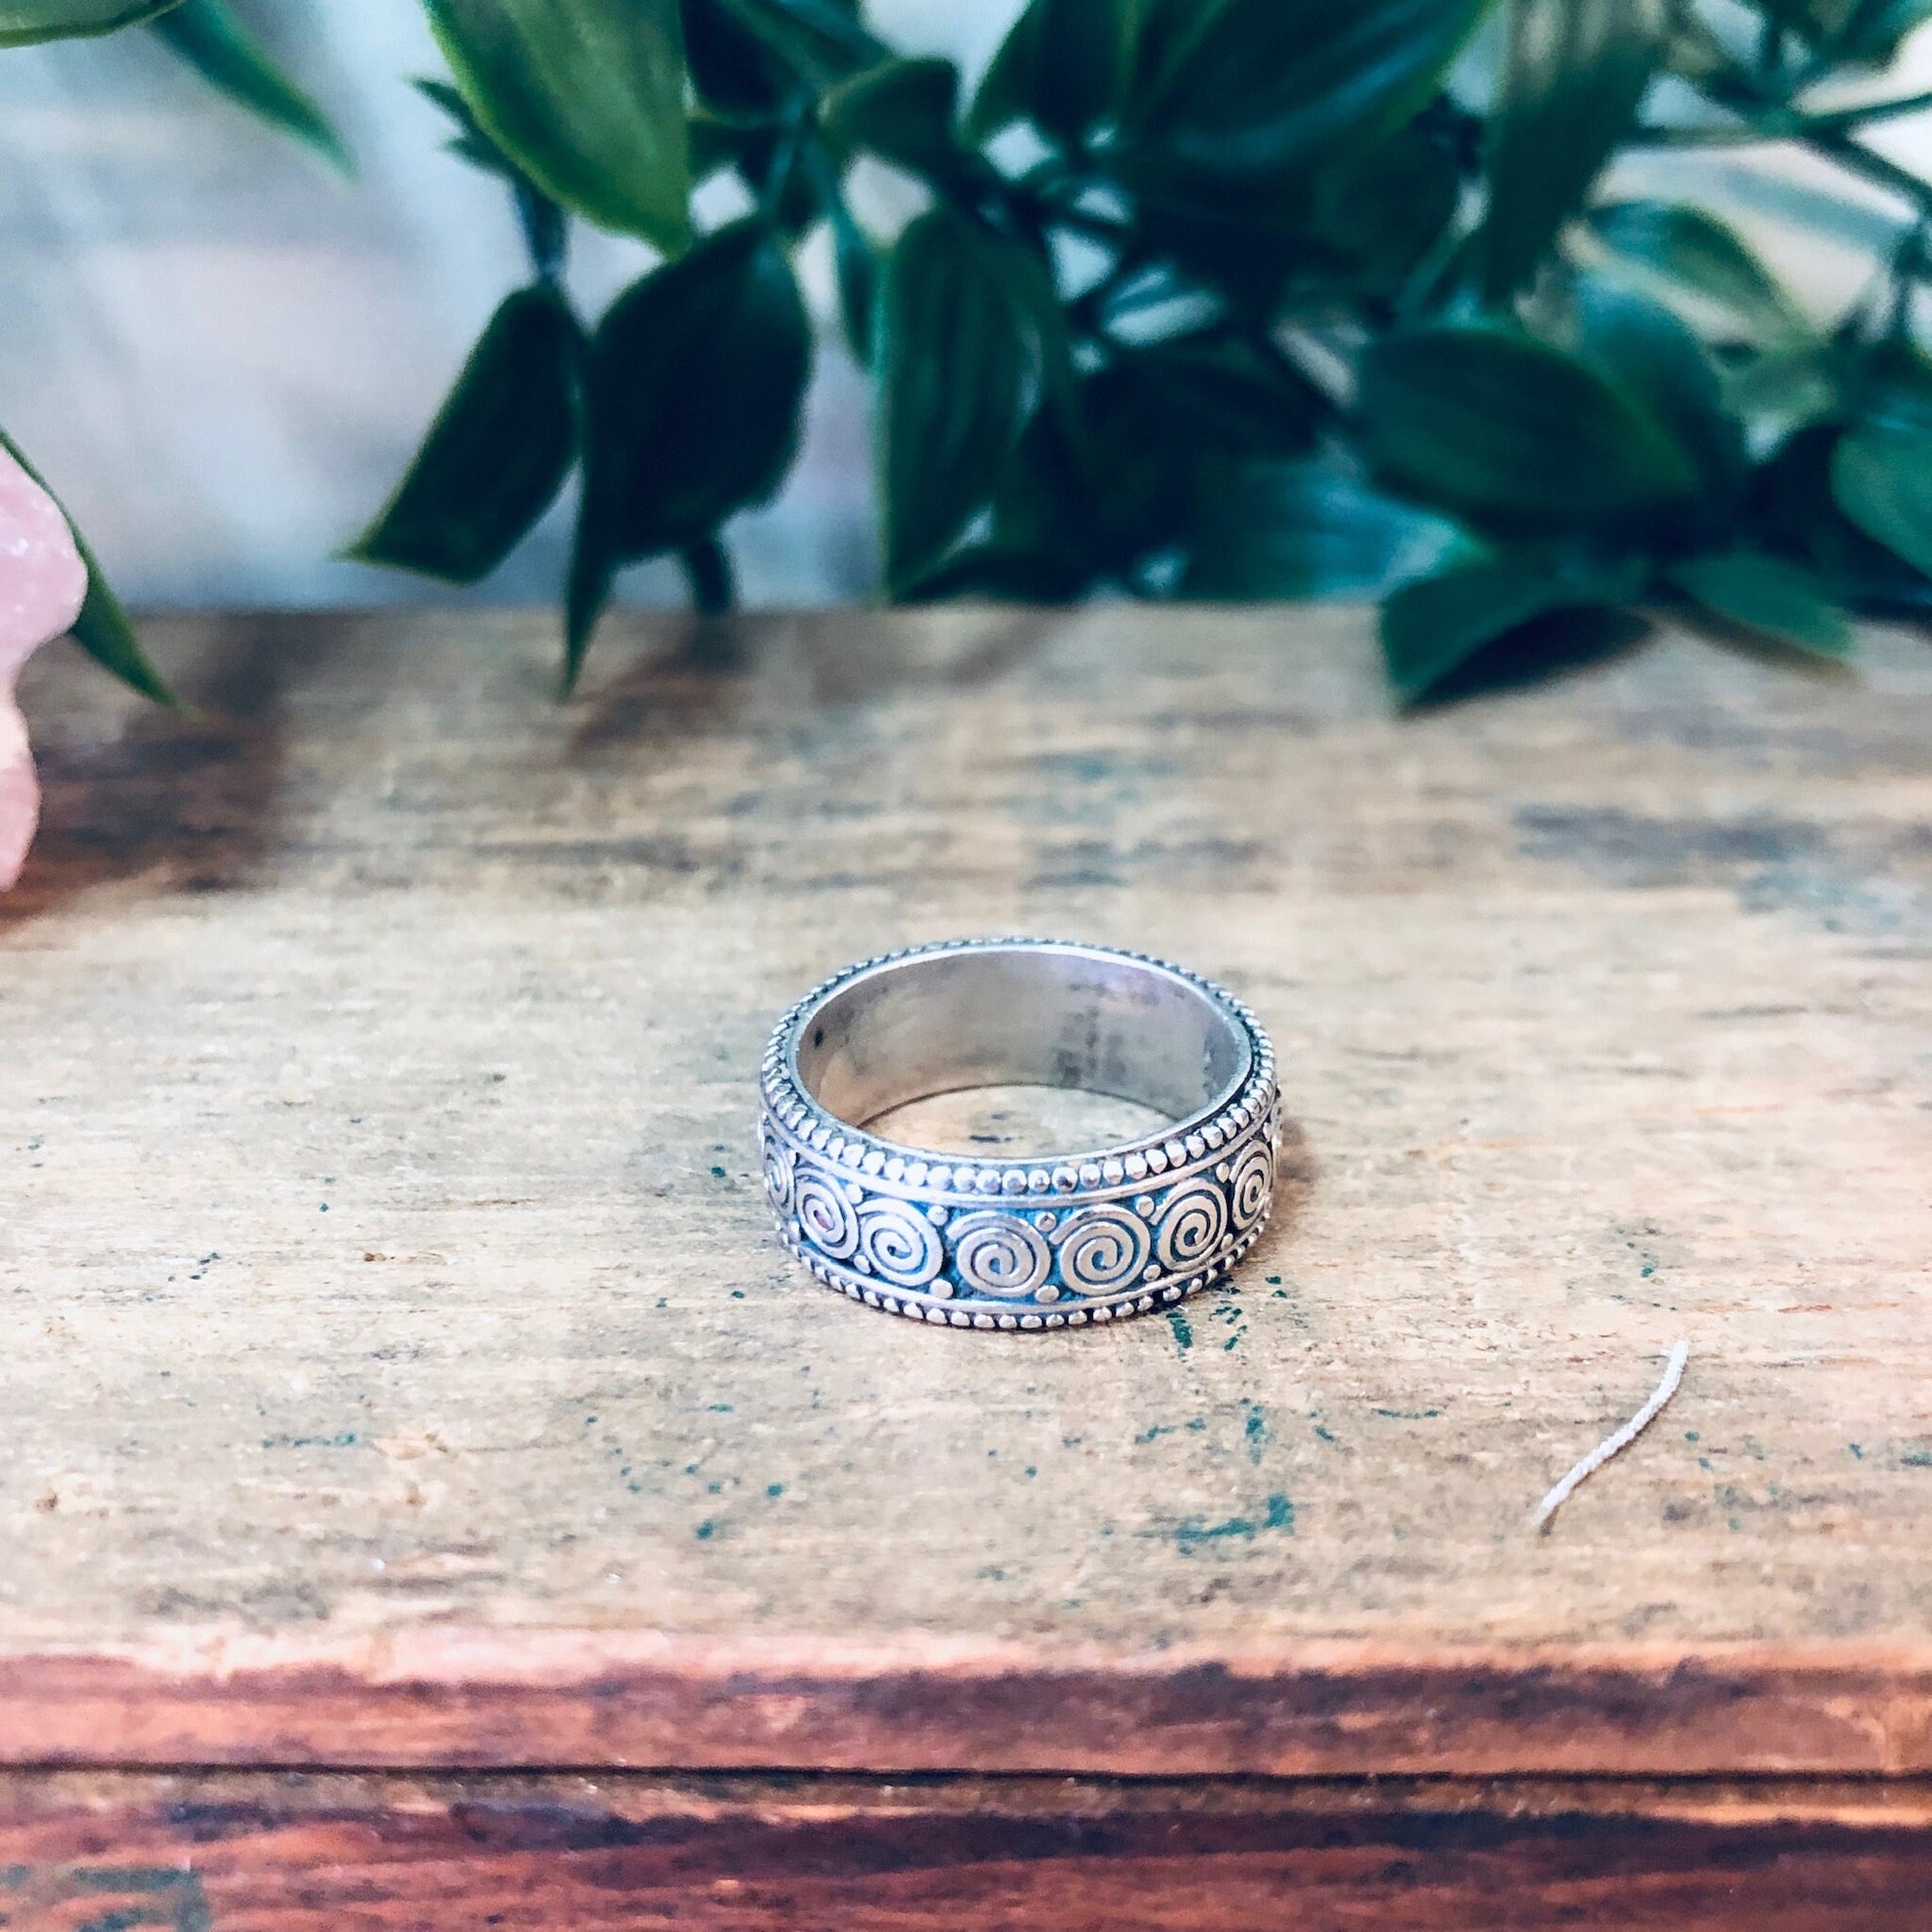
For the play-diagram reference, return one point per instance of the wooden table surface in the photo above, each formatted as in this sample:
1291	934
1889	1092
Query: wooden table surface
403	1383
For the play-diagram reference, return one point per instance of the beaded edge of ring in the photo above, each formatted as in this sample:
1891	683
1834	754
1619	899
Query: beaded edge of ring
1166	1153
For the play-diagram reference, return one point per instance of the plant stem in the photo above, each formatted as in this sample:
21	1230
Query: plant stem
1784	126
1737	92
1877	110
786	155
546	233
1057	212
709	573
1905	265
1858	159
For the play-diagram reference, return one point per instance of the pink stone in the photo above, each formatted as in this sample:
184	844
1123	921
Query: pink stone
43	583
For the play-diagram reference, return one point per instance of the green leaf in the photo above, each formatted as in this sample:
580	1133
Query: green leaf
497	452
1104	475
693	389
696	376
1655	359
1769	595
1812	20
1436	625
903	110
1381	211
1783	390
1882	477
1262	87
587	96
1890	384
1312	531
546	228
1794	513
1221	390
1575	73
821	42
734	71
999	573
1242	248
209	37
954	358
106	632
1682	251
103	629
1875	29
471	142
1162	31
1510	432
25	21
1064	67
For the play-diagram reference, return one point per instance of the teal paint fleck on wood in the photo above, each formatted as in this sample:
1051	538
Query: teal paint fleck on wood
1278	1513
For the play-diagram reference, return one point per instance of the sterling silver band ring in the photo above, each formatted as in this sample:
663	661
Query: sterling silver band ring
1062	1241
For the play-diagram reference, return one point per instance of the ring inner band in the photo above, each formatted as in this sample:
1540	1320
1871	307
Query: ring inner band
1021	1015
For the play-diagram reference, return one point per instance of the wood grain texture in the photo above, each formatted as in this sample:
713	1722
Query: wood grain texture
317	1853
400	1370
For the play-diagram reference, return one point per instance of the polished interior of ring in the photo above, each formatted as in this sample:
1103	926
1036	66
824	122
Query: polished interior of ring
1020	1123
1022	1016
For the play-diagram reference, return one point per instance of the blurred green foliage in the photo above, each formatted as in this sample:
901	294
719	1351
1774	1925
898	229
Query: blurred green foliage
1210	298
1207	298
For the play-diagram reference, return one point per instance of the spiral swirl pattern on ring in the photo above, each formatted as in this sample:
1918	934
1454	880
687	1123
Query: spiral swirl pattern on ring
780	1172
999	1254
1193	1219
901	1245
825	1215
1101	1248
1251	1184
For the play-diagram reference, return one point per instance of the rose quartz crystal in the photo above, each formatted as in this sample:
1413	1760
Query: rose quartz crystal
42	585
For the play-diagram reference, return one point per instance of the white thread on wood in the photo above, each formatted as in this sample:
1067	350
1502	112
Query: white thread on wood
1680	1354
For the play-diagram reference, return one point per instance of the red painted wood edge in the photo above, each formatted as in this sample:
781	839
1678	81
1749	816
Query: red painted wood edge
571	1699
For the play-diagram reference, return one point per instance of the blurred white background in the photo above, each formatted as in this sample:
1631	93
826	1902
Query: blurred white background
222	356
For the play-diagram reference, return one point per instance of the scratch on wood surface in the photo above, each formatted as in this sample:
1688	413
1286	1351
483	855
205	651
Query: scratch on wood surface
1680	1354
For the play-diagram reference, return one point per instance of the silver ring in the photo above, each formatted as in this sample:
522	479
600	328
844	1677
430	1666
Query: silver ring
1056	1242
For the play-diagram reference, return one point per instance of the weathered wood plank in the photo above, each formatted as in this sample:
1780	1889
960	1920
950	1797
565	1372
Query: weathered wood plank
292	1852
400	1371
552	1696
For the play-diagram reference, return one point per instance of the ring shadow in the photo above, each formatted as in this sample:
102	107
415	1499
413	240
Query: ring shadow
1296	1174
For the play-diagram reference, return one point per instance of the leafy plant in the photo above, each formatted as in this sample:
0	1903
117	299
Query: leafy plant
209	38
1210	298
